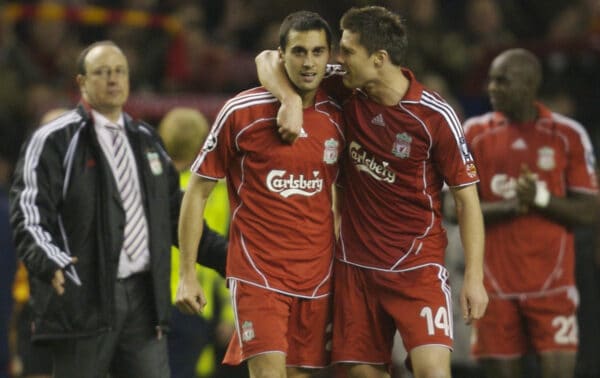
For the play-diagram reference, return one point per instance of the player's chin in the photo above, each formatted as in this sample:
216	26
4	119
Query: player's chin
309	86
348	82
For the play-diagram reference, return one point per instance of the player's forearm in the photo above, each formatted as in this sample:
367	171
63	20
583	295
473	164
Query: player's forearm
574	210
472	233
501	210
272	76
190	230
473	240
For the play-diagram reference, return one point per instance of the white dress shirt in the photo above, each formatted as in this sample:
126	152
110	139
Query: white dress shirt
126	267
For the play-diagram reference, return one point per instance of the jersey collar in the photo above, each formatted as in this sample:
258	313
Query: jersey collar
544	117
415	88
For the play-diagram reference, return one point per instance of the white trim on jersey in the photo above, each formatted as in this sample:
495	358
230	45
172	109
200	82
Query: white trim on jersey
477	120
241	101
232	284
247	127
559	262
451	118
325	279
418	238
443	275
583	136
288	293
337	126
491	130
533	294
415	240
542	291
249	259
484	119
267	285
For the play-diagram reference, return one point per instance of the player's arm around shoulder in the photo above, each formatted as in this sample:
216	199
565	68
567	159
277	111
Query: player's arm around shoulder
272	76
190	297
473	298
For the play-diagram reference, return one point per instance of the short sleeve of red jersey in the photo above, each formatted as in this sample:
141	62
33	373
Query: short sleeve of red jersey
472	128
214	157
450	151
581	164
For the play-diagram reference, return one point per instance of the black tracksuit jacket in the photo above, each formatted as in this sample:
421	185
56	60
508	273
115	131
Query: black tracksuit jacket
65	202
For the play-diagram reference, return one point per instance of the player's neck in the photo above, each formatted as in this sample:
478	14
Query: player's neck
526	114
389	89
308	99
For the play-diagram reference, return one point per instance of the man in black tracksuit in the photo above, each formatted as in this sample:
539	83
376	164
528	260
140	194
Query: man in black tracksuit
101	309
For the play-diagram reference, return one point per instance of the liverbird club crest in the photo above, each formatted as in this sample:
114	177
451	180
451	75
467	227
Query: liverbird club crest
247	331
330	153
401	147
546	160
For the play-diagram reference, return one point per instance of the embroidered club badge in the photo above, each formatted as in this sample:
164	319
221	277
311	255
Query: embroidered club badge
330	153
401	147
247	331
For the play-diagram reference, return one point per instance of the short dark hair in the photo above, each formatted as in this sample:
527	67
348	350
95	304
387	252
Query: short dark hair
83	54
378	29
302	21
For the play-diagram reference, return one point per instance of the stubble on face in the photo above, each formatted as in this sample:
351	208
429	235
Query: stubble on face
305	59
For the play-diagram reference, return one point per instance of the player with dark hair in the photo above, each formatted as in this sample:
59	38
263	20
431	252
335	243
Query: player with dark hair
404	141
281	240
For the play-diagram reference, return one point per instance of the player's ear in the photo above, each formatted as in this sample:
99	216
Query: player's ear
379	57
80	79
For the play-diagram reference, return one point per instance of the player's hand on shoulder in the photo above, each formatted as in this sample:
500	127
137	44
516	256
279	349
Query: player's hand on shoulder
289	119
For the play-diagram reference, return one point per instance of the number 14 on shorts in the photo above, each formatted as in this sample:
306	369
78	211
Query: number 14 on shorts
440	320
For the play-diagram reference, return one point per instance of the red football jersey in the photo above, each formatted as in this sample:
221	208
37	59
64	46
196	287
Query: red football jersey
530	254
398	158
281	234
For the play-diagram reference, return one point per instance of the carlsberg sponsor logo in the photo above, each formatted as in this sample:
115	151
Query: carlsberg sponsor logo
368	164
286	185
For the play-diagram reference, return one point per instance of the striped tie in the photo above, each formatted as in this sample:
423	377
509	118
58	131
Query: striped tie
135	234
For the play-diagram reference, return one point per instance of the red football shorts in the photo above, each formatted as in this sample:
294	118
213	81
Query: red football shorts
271	322
513	327
369	306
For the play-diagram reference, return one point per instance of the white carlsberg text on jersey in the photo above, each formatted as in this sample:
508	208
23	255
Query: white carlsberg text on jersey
368	164
278	182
